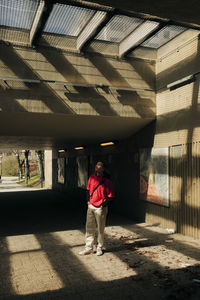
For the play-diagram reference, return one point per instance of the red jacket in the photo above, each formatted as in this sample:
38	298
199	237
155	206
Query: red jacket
102	193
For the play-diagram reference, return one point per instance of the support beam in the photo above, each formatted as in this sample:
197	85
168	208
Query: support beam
181	82
138	36
65	83
85	4
43	11
91	31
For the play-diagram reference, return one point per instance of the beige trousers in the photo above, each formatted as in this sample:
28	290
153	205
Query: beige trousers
96	221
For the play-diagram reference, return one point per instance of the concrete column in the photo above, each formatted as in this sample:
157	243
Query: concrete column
48	168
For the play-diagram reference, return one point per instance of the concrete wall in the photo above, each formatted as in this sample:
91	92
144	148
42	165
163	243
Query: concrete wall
178	110
178	124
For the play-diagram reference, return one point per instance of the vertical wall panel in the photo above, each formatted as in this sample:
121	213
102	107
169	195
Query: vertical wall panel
183	215
184	212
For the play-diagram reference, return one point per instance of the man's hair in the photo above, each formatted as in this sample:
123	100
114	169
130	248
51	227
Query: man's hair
105	171
101	162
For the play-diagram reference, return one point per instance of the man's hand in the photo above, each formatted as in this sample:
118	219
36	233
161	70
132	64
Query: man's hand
88	203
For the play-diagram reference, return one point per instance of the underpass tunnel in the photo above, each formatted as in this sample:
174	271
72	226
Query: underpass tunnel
84	82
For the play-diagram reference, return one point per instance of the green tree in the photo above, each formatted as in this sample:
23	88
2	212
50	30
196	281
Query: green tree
20	162
9	166
27	173
40	154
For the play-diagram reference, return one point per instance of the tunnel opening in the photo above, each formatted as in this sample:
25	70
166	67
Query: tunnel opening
22	170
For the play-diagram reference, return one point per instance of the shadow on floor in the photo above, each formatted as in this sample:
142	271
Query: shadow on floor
47	215
43	211
37	211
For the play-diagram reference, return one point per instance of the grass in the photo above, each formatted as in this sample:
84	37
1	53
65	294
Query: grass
34	181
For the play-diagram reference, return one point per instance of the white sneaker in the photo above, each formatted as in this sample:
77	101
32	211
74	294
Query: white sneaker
99	252
86	251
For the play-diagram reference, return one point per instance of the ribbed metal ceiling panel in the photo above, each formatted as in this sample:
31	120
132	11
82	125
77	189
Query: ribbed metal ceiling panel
58	41
163	36
11	35
68	20
118	28
17	14
66	23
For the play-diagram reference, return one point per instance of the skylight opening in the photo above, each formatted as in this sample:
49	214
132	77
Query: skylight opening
68	20
17	14
118	28
163	36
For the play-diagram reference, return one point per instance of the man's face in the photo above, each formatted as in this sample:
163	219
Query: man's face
99	168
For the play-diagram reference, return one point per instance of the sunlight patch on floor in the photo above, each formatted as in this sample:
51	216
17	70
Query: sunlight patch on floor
99	267
51	261
20	243
31	273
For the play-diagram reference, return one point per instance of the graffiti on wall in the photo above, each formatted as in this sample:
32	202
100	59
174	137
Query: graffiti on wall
154	175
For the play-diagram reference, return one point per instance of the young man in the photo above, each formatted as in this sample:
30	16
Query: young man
101	192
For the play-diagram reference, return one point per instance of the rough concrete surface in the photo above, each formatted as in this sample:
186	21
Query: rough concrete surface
40	238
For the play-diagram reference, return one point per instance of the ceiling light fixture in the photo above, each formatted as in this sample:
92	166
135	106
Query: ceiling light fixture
79	148
107	144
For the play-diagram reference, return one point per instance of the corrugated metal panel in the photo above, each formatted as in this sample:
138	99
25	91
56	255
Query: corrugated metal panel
104	48
118	28
18	14
176	184
68	20
14	36
58	41
184	212
163	36
197	191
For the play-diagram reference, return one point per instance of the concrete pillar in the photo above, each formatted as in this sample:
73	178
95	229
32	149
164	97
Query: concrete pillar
48	169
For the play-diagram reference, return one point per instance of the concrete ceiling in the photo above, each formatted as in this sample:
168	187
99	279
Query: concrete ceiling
183	11
39	131
46	131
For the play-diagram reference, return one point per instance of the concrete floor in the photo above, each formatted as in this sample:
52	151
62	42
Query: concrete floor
41	235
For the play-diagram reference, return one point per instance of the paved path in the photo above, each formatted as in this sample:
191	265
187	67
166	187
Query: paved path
40	237
10	184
